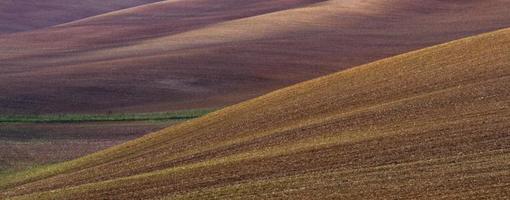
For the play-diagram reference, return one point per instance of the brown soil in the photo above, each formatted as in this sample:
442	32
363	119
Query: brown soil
201	53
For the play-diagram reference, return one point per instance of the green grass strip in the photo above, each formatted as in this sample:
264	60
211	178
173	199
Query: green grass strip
79	118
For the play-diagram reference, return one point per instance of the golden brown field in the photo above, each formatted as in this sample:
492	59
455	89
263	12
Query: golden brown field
430	124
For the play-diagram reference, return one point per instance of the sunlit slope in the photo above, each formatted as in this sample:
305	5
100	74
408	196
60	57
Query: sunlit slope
427	124
203	53
28	15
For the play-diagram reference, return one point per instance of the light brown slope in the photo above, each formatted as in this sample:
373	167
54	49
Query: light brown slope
428	124
199	53
25	15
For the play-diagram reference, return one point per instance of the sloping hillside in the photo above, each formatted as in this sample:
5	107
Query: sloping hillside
28	15
428	124
207	53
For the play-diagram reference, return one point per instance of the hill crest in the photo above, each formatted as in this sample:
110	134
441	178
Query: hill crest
437	116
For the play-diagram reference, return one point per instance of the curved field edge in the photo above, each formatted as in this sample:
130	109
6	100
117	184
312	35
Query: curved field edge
468	78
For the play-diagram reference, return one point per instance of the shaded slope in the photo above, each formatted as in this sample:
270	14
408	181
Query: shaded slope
202	53
427	124
28	15
35	52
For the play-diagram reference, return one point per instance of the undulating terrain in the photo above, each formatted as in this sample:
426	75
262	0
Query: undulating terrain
93	57
26	15
430	124
183	54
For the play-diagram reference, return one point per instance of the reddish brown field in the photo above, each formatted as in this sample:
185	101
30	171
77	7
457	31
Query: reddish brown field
429	124
25	15
203	53
27	145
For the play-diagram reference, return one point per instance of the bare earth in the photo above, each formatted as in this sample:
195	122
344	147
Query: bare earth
203	53
426	124
430	124
29	145
26	15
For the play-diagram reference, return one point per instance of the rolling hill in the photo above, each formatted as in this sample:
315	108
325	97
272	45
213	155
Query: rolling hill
174	55
26	15
429	124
